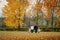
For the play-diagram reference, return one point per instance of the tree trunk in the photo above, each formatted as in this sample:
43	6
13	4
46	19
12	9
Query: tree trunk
19	19
47	24
37	19
52	17
24	19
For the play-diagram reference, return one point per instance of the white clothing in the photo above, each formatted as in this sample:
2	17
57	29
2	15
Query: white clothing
32	27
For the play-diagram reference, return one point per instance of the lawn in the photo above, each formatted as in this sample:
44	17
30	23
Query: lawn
17	35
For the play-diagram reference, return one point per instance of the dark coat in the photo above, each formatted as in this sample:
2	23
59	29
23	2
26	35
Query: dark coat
35	27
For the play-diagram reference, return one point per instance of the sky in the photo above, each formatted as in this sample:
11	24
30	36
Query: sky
2	3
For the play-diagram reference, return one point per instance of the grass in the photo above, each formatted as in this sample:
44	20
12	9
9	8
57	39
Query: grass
17	35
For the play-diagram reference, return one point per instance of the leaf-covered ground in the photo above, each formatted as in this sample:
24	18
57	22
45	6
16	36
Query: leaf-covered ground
17	35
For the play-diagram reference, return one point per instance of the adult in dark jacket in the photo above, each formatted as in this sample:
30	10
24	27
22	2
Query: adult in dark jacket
36	28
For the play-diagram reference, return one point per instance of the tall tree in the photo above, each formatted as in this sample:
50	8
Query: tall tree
38	7
50	4
13	12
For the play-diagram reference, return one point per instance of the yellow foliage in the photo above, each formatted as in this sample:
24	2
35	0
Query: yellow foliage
13	12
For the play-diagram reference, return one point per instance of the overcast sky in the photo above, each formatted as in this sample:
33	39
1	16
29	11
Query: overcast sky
2	3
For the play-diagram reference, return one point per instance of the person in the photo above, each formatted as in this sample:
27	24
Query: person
36	28
32	29
39	30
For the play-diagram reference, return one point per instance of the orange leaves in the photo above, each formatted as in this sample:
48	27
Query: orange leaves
10	1
6	9
50	3
9	21
53	3
46	13
24	2
58	12
38	6
14	6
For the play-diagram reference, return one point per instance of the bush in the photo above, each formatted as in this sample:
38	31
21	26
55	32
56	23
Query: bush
14	29
51	29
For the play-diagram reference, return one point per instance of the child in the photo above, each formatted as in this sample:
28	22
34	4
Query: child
32	29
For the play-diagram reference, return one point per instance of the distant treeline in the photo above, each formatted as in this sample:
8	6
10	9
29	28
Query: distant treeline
27	29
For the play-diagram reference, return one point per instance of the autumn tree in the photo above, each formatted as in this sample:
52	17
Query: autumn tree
50	4
13	12
48	9
38	7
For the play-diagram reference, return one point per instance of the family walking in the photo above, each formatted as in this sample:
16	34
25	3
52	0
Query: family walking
34	29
